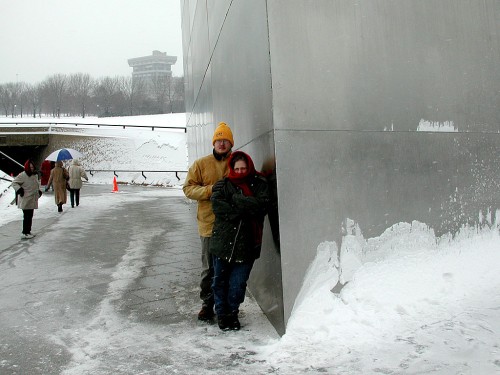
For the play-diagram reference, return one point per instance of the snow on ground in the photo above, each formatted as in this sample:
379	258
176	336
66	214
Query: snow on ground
412	303
415	304
169	119
435	126
137	148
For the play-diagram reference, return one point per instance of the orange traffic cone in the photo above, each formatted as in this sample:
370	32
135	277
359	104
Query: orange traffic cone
115	186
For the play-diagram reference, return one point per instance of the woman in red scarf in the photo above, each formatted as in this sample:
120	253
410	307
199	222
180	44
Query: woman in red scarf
240	202
28	191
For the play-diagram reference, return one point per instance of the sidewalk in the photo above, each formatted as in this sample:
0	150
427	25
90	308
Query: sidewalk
114	290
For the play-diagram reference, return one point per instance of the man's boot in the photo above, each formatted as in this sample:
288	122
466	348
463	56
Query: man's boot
206	312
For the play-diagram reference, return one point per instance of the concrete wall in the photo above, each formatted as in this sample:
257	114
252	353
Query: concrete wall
380	111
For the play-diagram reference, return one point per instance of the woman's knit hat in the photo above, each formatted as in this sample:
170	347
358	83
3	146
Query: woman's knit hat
223	132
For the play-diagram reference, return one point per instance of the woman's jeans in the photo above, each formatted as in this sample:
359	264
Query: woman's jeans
72	194
229	285
27	220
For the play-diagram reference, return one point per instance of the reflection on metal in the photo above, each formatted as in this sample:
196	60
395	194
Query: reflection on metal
355	113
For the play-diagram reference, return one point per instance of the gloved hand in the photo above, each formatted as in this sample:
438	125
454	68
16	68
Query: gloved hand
20	191
39	193
217	186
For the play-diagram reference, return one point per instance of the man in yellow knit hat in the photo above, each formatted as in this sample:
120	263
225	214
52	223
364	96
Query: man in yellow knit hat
202	175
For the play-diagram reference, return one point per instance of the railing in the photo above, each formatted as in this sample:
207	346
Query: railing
92	171
152	127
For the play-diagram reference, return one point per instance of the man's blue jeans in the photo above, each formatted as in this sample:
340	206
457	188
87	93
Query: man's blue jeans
229	285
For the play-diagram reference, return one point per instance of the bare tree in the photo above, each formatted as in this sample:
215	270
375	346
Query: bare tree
177	101
170	92
79	88
34	98
5	99
133	92
22	97
73	95
9	100
159	89
105	91
55	88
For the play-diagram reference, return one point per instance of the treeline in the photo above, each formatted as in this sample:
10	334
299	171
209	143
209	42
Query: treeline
81	95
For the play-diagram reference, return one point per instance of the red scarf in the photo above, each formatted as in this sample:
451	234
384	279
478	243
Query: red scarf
241	180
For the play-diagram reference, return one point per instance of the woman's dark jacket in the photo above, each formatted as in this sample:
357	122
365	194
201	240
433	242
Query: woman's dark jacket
237	232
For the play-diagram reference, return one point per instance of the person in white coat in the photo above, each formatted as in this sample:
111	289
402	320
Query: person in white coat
76	173
28	191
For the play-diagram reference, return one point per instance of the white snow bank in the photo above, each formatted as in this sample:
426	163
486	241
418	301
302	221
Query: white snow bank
168	119
130	149
413	303
435	126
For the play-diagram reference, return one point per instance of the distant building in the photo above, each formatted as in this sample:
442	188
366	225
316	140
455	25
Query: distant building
152	68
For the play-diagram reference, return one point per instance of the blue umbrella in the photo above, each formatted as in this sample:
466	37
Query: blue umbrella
64	154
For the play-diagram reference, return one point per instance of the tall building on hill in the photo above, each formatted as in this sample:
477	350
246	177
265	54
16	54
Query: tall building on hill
149	68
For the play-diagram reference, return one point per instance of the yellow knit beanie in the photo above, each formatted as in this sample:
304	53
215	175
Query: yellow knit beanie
223	132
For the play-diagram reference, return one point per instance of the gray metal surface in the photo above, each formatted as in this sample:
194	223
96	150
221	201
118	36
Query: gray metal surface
378	64
356	96
379	179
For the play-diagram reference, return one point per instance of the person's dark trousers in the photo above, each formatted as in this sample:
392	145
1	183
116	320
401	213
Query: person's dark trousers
229	285
27	220
207	273
74	194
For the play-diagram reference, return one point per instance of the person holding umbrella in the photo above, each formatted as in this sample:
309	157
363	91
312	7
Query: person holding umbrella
59	175
28	191
58	178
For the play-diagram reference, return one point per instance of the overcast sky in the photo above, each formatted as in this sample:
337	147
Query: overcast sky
39	38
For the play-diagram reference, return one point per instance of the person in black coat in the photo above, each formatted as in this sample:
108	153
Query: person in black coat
240	202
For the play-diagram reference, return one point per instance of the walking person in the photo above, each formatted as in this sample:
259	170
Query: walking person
205	172
45	169
240	202
76	173
58	178
28	191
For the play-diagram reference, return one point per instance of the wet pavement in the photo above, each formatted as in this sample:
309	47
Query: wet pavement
108	291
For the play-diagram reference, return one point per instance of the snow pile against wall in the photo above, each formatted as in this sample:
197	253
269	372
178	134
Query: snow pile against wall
411	301
434	126
4	187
